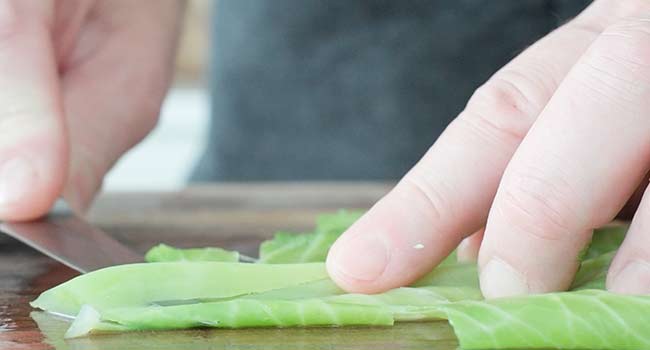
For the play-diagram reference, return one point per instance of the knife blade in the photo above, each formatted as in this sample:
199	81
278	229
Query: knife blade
67	238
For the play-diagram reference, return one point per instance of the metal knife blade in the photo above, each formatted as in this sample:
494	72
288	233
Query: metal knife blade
70	240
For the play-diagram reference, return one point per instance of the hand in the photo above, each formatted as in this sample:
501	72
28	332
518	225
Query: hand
81	81
552	146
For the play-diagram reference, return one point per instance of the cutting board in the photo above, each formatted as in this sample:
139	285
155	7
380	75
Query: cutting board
233	216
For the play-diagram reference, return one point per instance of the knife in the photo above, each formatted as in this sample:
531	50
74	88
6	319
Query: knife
67	238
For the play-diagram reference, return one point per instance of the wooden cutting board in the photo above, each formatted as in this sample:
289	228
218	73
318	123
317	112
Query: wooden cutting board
233	216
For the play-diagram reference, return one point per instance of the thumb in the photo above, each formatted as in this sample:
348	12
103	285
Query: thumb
33	149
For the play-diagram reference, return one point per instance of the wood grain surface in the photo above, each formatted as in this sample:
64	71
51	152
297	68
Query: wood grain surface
233	216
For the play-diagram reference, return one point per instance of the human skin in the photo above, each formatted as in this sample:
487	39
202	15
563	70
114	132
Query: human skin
552	146
81	81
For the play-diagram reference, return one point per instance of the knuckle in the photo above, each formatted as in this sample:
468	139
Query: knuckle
505	106
145	120
152	87
429	199
626	42
9	20
538	206
149	114
615	71
632	6
605	12
19	17
143	117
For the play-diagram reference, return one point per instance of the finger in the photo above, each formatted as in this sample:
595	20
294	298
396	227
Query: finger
114	83
468	248
633	203
33	149
446	196
629	272
581	161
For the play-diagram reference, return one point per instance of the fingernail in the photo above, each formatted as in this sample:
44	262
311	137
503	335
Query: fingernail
17	176
499	279
362	258
634	278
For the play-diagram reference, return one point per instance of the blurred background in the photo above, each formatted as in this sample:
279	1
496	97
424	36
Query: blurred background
324	90
166	158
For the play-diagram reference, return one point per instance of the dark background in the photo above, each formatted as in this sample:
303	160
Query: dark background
350	90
